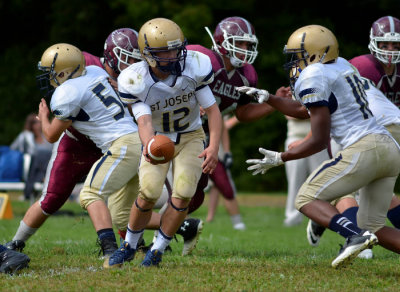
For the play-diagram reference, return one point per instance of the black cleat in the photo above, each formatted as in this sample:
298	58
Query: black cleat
12	261
314	232
190	230
17	245
107	247
353	246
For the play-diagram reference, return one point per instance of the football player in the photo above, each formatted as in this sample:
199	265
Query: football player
330	92
77	153
232	55
382	68
166	92
83	98
74	154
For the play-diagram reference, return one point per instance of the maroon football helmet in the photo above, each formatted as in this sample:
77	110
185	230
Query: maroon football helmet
385	29
121	45
231	30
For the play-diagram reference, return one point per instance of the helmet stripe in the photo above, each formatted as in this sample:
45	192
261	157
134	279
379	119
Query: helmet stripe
391	22
247	24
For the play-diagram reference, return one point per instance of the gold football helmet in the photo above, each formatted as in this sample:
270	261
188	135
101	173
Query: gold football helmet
60	62
309	45
161	35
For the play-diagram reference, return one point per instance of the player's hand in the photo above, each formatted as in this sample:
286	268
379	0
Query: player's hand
284	92
202	111
146	153
295	144
259	95
210	161
44	111
271	159
228	160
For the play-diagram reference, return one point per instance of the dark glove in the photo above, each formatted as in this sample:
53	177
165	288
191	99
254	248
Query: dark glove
228	160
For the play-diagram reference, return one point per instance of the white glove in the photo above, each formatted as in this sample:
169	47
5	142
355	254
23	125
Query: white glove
270	160
259	95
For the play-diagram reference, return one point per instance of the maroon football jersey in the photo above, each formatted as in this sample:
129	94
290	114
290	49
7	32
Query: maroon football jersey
369	67
92	60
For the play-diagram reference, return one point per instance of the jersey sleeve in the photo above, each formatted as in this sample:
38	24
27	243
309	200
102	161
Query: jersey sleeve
130	84
312	88
205	97
65	102
140	109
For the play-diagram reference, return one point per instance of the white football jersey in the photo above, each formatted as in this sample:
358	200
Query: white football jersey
339	87
385	112
174	103
94	107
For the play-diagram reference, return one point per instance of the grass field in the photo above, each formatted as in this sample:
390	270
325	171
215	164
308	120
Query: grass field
265	257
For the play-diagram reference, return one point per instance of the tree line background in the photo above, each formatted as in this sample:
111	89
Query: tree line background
86	24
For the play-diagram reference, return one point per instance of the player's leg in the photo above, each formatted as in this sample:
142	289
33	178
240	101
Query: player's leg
212	203
346	173
223	181
296	174
186	174
152	178
374	203
191	228
120	204
394	212
108	175
69	163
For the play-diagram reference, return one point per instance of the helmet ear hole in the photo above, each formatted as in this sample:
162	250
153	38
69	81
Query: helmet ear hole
312	58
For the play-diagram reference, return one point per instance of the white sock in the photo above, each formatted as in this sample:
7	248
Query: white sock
236	219
24	232
162	241
133	237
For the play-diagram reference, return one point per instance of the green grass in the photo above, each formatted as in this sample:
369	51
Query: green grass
265	257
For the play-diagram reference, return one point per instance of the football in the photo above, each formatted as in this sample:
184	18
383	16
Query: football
160	149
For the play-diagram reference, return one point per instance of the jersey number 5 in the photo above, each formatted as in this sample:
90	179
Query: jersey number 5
108	100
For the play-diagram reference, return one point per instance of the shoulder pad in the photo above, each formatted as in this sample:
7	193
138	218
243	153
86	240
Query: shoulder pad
199	66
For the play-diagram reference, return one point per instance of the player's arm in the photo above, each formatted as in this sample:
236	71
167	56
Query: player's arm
288	107
252	111
248	112
215	128
318	140
225	142
285	105
53	129
146	130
